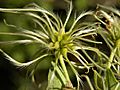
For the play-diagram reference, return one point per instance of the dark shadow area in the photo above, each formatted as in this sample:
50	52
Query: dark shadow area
7	75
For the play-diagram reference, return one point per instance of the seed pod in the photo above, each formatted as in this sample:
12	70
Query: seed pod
105	19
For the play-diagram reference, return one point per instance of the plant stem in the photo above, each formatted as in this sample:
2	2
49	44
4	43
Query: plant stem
65	71
111	57
59	73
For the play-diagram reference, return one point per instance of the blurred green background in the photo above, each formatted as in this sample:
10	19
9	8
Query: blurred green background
13	78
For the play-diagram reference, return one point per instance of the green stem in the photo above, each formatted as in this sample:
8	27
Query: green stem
56	68
64	69
75	72
111	57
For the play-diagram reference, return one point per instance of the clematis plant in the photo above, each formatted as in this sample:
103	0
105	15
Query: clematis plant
110	34
58	43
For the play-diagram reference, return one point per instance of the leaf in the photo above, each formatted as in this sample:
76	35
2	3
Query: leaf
111	82
54	82
98	80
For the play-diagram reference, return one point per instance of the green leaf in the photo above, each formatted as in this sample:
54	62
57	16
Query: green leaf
54	82
111	81
98	80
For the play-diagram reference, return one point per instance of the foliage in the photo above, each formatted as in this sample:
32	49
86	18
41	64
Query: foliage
75	47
